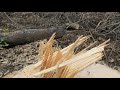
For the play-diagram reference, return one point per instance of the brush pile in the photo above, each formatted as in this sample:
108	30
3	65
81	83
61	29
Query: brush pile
61	63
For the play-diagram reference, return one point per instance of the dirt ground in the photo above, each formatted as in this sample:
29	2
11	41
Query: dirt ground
100	25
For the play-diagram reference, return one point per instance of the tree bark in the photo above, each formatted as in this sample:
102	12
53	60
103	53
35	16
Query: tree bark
30	35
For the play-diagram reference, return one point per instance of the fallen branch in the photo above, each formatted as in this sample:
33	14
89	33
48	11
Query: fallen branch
30	35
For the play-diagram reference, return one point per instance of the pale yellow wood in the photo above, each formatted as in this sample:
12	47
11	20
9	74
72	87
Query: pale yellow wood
98	71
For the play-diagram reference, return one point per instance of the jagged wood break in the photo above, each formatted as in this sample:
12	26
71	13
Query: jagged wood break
62	63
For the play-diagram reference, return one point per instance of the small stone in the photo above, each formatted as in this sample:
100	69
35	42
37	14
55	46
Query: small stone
111	60
72	26
118	59
118	68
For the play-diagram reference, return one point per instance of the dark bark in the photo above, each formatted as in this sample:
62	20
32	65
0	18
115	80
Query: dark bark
30	35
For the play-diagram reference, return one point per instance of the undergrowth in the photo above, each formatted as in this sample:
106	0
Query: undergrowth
3	43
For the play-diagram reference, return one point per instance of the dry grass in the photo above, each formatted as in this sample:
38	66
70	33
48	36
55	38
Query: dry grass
62	63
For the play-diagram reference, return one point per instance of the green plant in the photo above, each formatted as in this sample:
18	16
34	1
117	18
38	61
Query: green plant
3	43
2	40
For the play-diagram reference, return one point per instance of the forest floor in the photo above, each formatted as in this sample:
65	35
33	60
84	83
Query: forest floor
100	25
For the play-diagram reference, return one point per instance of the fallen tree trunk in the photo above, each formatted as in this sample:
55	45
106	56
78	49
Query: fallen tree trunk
30	35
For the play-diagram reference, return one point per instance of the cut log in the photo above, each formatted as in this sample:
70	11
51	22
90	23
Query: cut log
30	35
98	71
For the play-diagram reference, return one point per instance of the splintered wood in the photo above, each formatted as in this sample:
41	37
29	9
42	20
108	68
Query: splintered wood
62	63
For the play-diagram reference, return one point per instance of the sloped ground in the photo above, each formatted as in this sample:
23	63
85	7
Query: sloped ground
101	25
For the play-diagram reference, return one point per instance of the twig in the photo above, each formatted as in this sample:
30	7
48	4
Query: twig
98	25
104	22
80	19
52	18
43	16
91	34
113	46
68	18
114	29
106	58
9	18
110	25
18	26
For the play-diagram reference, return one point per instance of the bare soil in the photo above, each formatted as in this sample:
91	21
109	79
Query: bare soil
100	25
